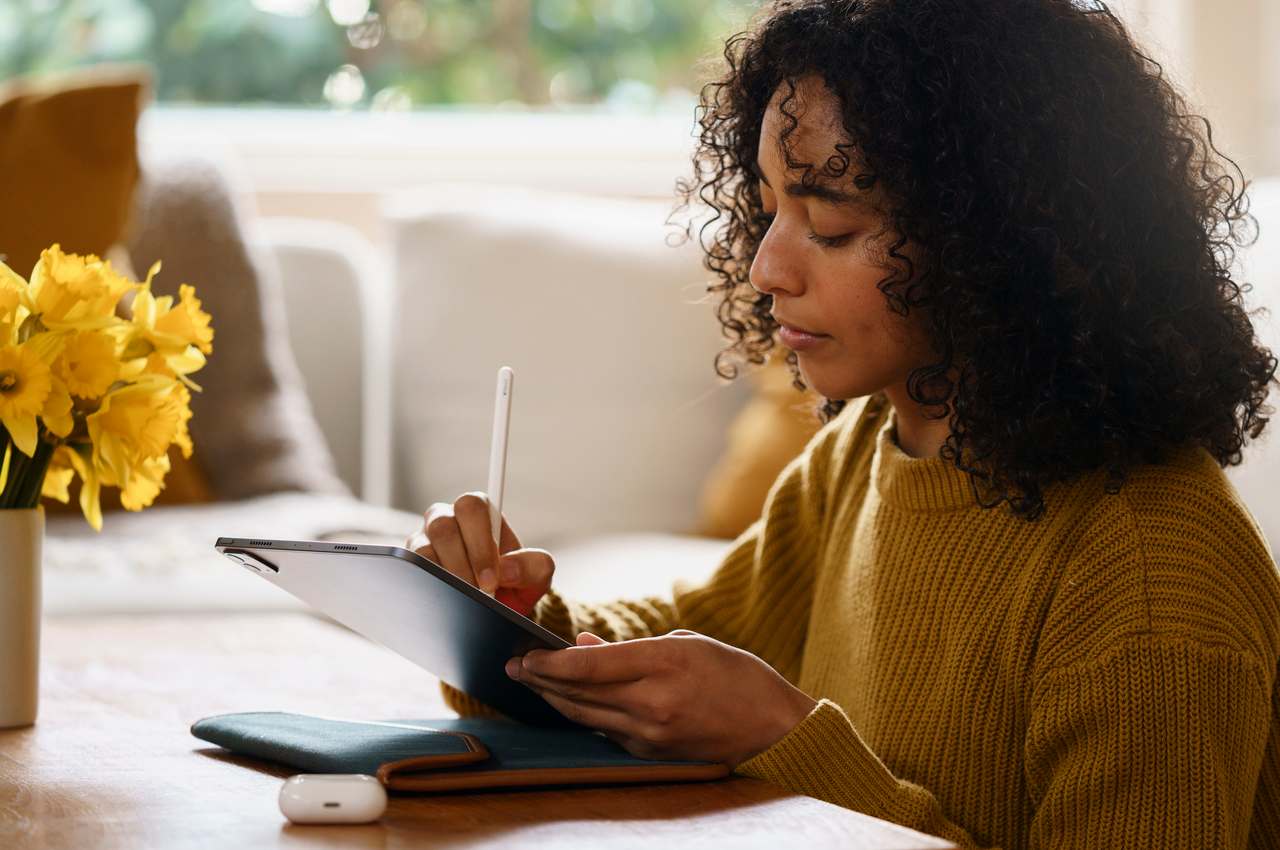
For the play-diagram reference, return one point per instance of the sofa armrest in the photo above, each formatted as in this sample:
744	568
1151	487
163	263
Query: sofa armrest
336	315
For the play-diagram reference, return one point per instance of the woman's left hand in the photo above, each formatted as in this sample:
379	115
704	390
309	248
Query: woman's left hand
682	696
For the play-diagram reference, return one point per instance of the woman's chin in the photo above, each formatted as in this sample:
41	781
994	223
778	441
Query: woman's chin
836	386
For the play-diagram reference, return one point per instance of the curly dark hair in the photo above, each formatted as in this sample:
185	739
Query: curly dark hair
1073	225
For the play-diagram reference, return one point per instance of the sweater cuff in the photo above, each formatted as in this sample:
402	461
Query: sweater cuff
823	756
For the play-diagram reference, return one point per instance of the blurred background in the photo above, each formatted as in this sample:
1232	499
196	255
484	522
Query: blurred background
327	103
382	201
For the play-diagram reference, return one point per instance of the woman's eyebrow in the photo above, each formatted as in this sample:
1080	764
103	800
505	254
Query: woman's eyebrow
826	194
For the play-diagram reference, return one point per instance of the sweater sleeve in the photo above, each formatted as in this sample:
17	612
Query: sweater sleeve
1159	743
759	597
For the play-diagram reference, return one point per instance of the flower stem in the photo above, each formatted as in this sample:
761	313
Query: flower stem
26	474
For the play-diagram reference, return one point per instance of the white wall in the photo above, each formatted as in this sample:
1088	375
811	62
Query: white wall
1224	55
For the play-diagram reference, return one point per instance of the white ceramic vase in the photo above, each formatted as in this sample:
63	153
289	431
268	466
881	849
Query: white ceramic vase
21	539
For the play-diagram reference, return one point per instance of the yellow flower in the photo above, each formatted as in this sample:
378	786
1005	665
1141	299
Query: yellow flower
90	484
25	384
57	479
136	422
88	363
12	291
147	482
187	321
70	292
56	414
182	398
164	339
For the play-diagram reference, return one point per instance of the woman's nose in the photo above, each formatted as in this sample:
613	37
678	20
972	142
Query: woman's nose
774	269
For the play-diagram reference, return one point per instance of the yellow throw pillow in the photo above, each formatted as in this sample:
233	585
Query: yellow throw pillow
772	429
68	161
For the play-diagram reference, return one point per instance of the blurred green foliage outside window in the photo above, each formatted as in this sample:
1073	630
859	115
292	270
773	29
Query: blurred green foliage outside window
385	54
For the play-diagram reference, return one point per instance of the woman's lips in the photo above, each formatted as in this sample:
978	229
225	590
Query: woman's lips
798	340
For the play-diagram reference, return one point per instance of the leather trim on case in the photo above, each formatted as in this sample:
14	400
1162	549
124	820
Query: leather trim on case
476	752
473	779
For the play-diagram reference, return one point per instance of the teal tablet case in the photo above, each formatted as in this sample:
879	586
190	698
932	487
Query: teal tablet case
442	755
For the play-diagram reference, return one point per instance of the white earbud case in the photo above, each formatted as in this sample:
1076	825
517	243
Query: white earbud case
332	798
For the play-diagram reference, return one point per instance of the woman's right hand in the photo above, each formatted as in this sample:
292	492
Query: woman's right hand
459	537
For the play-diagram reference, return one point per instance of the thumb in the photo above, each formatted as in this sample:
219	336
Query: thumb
588	639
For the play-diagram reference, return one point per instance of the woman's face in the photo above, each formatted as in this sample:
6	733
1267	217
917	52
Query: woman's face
822	257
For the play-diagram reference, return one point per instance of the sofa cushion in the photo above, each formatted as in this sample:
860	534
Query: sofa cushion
617	412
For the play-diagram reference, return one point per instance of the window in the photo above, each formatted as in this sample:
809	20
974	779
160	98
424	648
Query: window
384	54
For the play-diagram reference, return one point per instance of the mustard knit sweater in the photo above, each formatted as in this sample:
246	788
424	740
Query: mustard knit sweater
1104	677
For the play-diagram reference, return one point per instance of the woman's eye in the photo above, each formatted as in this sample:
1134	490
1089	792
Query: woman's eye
830	241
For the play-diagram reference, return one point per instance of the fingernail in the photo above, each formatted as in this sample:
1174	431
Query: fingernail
513	668
485	579
509	572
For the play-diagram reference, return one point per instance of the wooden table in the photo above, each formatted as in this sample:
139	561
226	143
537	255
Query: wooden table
111	763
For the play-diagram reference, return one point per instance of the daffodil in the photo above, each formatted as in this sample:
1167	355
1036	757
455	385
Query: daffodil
13	290
57	479
145	484
165	339
71	292
70	365
90	484
25	383
88	364
56	413
136	422
186	321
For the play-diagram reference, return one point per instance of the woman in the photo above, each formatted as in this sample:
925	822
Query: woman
1006	595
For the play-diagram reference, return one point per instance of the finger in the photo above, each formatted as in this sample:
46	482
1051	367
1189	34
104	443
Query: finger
623	696
624	661
597	717
437	509
509	541
472	513
450	551
589	639
524	577
635	746
531	568
419	544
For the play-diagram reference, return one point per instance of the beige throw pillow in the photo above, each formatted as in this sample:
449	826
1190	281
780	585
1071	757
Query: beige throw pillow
252	425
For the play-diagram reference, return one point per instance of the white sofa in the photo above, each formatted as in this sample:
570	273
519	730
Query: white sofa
617	418
618	415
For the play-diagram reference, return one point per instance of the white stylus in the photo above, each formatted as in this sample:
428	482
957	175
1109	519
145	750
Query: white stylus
498	449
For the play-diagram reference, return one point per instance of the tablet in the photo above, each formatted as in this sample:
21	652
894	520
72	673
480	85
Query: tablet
413	607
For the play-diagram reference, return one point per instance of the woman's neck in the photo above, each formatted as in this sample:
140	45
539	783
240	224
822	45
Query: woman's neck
918	436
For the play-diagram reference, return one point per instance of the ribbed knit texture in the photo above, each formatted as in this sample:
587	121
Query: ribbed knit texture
1104	677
